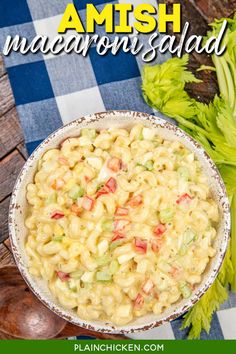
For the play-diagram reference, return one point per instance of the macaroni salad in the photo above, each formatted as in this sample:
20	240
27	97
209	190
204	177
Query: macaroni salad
120	223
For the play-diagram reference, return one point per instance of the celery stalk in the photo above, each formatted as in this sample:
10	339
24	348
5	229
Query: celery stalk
220	75
229	81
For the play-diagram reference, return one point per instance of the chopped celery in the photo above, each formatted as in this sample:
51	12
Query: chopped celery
149	165
183	172
103	276
140	135
182	250
72	285
114	266
101	261
189	236
139	164
51	199
58	238
99	186
76	192
166	215
74	289
76	274
115	244
107	225
89	133
185	290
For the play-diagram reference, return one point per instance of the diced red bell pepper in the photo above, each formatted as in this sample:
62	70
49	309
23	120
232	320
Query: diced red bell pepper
120	224
174	272
63	276
121	211
63	160
156	245
117	236
140	245
58	184
110	187
87	179
111	184
155	295
75	209
87	203
159	229
139	301
135	201
114	164
148	286
185	198
102	191
57	215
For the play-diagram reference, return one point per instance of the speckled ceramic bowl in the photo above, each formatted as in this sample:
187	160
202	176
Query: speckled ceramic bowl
105	120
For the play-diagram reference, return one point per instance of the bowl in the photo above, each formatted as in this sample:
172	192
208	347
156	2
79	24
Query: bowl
104	120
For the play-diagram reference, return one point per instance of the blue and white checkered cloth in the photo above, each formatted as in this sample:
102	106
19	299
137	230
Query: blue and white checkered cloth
52	90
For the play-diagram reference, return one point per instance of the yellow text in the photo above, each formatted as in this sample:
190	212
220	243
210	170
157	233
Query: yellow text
144	14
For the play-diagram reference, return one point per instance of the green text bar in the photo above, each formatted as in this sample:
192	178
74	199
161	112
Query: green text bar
115	346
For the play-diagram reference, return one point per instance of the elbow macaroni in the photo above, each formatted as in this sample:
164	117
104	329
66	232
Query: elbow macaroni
120	223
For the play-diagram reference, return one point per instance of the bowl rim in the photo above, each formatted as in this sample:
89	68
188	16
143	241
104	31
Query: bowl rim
110	328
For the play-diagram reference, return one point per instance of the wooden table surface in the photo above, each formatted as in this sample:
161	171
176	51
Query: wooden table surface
12	157
12	148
